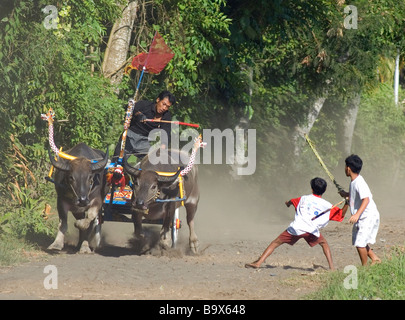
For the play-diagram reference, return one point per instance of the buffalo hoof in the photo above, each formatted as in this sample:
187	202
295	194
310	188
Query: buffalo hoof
194	246
165	243
140	236
56	246
85	248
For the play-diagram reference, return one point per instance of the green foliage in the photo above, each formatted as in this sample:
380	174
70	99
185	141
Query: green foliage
380	134
42	68
194	31
28	218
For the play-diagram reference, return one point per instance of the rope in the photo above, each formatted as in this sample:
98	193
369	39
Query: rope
310	143
49	117
197	144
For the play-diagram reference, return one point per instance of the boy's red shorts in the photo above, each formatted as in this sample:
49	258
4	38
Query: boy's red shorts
312	240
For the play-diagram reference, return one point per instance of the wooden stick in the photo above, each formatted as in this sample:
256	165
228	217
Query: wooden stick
323	212
174	122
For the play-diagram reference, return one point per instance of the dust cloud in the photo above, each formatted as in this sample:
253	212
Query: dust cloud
240	209
236	209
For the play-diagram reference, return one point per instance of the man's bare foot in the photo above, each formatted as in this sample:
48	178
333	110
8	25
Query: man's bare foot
376	261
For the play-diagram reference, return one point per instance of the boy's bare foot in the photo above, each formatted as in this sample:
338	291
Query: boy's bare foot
376	261
253	265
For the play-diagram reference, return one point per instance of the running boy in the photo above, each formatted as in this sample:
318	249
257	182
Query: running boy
365	216
304	226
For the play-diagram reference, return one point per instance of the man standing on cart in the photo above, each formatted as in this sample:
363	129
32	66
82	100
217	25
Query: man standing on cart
137	141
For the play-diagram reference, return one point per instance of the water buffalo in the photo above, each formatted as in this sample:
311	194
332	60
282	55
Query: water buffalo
79	185
149	186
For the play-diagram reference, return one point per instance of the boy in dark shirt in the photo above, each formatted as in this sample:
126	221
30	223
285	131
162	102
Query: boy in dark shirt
137	141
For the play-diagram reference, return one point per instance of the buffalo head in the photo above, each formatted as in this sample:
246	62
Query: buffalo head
148	185
79	175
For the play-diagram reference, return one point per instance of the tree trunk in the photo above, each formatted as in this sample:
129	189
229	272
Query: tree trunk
396	77
115	57
301	130
350	123
243	162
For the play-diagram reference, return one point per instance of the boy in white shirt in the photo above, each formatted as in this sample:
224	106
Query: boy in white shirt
365	216
305	224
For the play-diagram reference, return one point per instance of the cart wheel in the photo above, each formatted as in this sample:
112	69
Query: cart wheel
176	224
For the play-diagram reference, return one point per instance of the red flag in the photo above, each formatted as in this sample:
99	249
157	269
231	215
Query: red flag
336	214
158	57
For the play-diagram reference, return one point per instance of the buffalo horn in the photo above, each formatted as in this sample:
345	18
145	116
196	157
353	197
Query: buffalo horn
171	179
61	164
130	169
100	164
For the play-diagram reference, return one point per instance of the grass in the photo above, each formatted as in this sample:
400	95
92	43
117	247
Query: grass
24	228
22	236
384	281
14	251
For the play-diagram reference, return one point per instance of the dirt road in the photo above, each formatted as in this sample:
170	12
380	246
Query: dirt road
230	235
